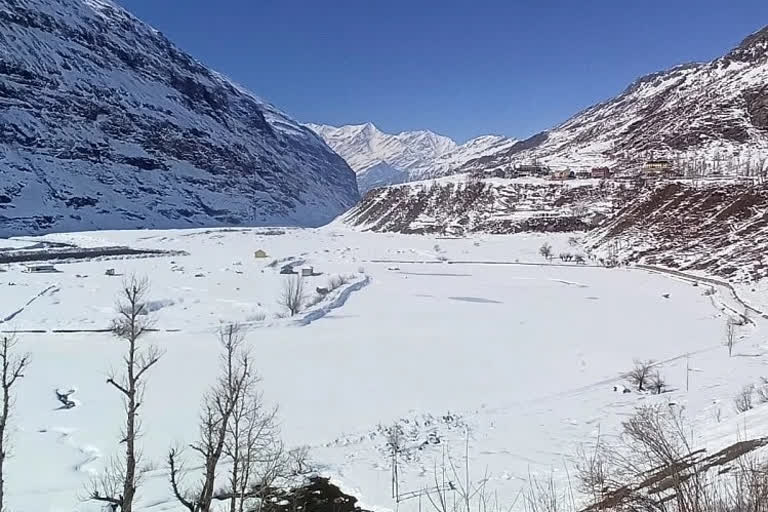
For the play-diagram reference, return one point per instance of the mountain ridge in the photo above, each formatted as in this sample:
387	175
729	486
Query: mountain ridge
107	124
381	158
709	115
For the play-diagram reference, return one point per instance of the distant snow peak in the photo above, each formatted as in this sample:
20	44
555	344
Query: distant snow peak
381	158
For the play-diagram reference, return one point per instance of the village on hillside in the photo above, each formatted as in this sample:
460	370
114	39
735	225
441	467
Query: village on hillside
646	171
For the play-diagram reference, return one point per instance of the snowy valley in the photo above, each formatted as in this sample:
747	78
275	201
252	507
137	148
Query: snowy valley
442	339
464	337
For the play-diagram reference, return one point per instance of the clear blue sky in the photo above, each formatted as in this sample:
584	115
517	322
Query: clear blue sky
458	67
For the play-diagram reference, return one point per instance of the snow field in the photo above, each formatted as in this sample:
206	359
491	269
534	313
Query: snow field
522	358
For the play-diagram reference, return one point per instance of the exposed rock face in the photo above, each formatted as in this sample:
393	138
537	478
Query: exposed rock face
502	206
718	229
104	123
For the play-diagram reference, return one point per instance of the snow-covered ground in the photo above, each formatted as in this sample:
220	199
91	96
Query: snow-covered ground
521	358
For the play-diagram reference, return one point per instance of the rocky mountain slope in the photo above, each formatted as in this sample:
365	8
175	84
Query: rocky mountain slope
500	206
104	123
719	229
383	159
710	116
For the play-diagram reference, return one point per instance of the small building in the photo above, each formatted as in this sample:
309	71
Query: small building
531	170
583	175
566	174
307	272
601	173
657	165
40	268
260	254
110	272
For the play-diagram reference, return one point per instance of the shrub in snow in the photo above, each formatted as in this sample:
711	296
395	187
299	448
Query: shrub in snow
258	316
546	250
337	282
314	300
628	475
579	258
743	400
762	391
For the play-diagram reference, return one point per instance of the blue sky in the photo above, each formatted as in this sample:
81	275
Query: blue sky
461	68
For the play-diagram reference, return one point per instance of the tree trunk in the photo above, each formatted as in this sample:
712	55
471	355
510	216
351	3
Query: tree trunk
129	484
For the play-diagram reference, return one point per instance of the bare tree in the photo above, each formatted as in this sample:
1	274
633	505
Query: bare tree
657	383
13	369
130	326
292	297
219	405
640	374
252	445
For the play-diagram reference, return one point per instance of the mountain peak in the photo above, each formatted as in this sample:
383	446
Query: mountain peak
381	158
754	47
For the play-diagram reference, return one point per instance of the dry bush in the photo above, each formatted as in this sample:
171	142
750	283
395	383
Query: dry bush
654	468
762	391
337	282
640	374
743	401
454	489
546	250
579	258
545	496
257	316
314	300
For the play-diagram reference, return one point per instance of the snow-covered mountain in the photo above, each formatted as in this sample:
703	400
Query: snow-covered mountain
104	123
381	158
715	113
